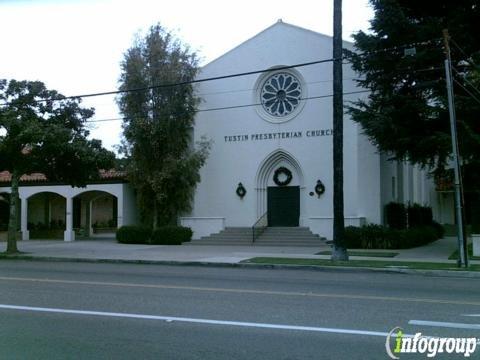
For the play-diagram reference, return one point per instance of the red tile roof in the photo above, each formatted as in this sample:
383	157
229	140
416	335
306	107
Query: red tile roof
6	177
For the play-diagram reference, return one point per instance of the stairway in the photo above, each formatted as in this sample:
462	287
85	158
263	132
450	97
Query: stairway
272	236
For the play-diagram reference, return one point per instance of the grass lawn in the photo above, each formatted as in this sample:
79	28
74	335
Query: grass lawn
383	264
454	255
364	253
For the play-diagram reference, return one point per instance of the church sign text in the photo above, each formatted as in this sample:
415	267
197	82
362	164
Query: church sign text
278	135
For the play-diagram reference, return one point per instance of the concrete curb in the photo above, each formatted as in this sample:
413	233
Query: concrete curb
423	272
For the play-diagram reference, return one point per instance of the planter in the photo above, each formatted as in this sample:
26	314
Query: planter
107	230
47	234
476	244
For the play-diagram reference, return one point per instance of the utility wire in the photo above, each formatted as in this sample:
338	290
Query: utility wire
237	106
189	82
466	90
114	92
467	57
466	80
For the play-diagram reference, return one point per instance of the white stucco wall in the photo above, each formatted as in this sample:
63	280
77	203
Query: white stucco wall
130	213
231	162
61	207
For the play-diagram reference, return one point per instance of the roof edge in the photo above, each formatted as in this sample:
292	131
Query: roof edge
279	22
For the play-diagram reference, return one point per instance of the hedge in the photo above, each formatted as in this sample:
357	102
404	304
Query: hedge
419	215
381	237
132	234
171	235
396	215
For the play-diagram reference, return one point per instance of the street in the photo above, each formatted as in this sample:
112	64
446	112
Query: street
124	311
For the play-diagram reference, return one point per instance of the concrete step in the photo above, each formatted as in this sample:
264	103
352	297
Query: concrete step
272	236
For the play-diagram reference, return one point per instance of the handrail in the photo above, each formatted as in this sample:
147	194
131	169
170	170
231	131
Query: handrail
259	227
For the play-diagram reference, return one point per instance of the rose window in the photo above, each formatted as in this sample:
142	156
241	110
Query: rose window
280	94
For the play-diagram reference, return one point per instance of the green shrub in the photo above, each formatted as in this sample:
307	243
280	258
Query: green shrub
395	238
396	215
380	237
419	236
353	237
171	235
133	235
475	228
373	236
419	216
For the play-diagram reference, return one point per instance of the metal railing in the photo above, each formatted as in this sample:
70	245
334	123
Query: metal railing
259	227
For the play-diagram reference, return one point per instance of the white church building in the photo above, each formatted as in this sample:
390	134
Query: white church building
271	156
271	133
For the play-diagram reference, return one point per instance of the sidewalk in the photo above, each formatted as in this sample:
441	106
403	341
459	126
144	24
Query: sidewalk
109	249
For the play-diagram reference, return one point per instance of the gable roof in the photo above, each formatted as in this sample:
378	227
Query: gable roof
278	23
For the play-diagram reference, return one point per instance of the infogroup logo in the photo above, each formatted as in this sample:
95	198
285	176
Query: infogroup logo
431	346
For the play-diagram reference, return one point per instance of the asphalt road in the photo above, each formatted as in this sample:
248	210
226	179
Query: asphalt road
121	311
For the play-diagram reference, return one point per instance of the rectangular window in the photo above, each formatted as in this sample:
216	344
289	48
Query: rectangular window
394	188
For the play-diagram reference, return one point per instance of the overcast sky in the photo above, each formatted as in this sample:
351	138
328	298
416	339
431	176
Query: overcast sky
75	46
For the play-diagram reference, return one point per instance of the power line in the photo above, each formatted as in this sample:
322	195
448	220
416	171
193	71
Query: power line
237	106
182	83
435	41
466	80
114	92
467	57
468	91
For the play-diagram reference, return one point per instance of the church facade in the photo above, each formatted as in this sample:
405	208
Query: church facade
271	132
271	156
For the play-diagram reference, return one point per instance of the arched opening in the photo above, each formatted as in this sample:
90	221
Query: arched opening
4	211
5	215
46	216
95	214
279	183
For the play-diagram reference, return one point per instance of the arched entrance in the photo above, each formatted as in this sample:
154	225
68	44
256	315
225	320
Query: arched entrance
4	211
46	215
279	185
95	214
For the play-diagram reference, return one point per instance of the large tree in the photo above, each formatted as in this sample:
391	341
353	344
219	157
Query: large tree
41	131
401	60
158	126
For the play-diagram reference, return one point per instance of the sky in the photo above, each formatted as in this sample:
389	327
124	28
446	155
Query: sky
76	46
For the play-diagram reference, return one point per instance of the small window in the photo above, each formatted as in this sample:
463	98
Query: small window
394	188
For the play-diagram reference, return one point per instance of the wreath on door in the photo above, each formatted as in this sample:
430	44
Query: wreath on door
282	176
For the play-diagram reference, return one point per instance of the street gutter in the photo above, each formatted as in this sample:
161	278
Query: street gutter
334	268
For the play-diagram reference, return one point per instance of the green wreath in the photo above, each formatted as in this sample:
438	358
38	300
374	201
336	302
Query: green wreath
282	170
319	188
241	191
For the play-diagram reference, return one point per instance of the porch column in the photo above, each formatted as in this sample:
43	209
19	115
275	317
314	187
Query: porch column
69	234
119	213
24	219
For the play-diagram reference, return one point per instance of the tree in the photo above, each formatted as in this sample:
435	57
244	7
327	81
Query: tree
42	131
339	251
163	165
406	113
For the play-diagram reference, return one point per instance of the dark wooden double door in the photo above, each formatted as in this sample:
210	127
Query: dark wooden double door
283	204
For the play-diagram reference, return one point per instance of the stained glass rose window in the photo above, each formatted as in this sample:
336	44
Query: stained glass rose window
280	94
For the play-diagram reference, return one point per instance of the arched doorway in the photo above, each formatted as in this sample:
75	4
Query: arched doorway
5	216
279	185
95	214
4	211
46	215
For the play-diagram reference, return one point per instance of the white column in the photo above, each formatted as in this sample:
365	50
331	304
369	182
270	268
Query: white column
24	219
120	211
90	212
69	234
